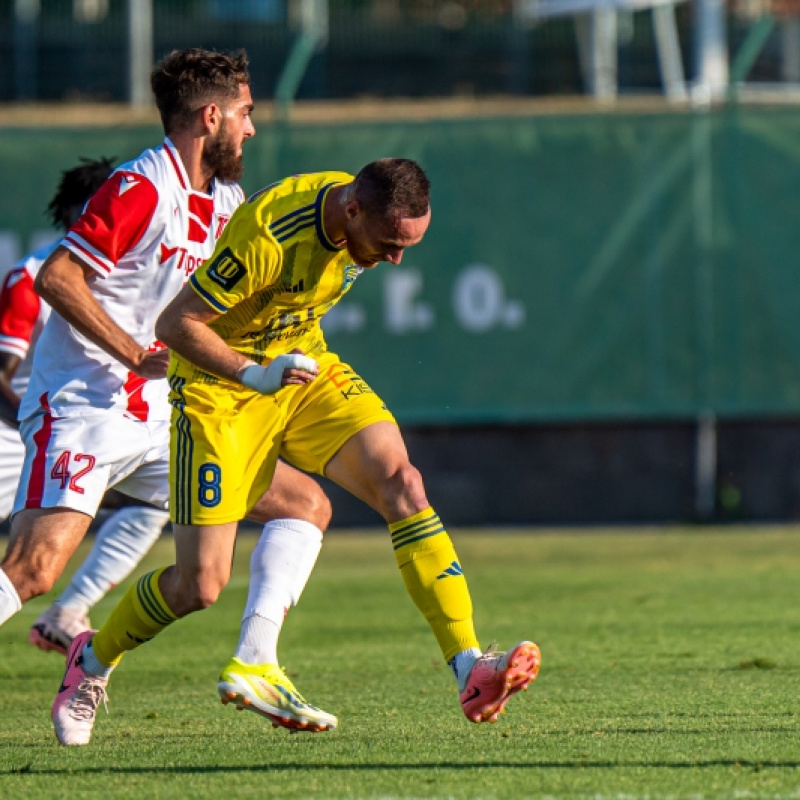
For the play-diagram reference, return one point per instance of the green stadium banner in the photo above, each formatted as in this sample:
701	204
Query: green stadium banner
578	268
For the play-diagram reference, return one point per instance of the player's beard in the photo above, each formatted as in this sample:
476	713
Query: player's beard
221	158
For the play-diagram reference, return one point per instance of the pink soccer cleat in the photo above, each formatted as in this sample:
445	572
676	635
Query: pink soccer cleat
494	677
79	695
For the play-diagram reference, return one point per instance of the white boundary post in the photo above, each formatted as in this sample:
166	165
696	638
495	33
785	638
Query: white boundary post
140	51
710	50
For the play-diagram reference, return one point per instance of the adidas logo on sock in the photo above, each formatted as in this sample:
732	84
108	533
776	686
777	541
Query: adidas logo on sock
452	571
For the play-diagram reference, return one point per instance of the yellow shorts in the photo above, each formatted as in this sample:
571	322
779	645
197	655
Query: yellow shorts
225	439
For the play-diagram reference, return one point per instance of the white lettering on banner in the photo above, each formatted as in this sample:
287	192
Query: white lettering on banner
479	301
402	312
345	318
479	304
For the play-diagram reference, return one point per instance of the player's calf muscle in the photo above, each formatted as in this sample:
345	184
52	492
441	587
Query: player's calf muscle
39	548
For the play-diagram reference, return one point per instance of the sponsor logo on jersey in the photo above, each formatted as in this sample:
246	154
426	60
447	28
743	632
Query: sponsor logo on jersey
185	261
167	252
226	269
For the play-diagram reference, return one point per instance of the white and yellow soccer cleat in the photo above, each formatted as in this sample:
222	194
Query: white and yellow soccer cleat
265	689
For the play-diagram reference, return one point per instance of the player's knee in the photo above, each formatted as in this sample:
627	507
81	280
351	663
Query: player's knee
402	492
29	580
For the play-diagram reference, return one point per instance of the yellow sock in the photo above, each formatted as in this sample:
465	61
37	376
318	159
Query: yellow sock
137	618
433	577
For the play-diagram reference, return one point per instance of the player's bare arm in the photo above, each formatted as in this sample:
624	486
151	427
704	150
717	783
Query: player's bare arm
62	282
9	399
183	327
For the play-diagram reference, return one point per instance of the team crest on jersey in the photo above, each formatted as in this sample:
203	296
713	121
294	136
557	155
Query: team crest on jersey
351	272
226	269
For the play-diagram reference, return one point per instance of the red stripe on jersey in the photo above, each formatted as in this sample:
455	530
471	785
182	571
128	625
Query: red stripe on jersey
178	170
137	406
201	207
33	498
118	215
19	305
197	233
87	255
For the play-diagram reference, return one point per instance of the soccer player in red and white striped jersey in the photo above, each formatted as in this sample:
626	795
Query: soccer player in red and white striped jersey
95	414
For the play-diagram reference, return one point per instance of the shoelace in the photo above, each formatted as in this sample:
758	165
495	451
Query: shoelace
491	653
87	698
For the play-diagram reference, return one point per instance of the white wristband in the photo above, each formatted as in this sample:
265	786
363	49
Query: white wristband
268	380
240	371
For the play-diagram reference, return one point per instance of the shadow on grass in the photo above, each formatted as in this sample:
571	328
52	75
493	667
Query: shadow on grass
757	766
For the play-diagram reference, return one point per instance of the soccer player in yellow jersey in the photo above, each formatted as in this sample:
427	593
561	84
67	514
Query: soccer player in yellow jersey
252	380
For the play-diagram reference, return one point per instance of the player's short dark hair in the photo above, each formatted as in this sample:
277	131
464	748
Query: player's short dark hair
185	80
75	188
393	186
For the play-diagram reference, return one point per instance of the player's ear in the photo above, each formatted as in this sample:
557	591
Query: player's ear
211	115
352	209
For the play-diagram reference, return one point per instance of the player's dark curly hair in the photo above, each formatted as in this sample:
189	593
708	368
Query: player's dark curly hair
393	186
75	188
186	80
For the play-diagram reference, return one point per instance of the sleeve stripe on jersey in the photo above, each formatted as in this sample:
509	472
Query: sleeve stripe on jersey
299	225
291	215
13	345
212	301
86	252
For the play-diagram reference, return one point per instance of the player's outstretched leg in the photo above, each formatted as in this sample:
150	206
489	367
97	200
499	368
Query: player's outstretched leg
55	629
495	677
266	689
78	698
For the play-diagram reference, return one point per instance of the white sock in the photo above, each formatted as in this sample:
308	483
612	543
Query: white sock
120	544
461	664
92	665
258	642
9	599
280	567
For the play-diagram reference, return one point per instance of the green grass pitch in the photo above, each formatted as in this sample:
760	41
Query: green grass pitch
671	668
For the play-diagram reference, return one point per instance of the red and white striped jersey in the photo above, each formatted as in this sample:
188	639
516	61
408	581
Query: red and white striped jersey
23	314
143	233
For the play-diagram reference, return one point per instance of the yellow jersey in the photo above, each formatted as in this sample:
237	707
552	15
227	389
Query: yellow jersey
274	272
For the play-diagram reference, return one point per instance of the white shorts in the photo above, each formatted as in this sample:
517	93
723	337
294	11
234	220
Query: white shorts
12	454
71	461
